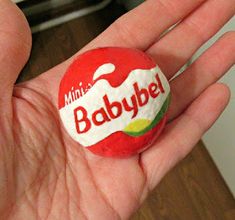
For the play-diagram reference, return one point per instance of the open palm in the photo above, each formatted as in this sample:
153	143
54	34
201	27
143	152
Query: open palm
44	174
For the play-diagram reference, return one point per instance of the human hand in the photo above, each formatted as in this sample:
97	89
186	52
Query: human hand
45	174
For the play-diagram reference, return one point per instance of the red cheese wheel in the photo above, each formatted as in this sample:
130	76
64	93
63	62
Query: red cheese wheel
113	101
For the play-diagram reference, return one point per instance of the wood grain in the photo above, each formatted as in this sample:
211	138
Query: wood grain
194	190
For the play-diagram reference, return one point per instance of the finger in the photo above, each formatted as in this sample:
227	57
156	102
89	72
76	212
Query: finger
142	26
15	44
211	66
176	48
182	134
138	29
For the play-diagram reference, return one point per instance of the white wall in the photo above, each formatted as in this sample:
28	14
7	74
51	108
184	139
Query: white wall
220	139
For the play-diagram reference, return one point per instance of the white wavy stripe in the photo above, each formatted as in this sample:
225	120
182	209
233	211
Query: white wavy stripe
106	68
92	101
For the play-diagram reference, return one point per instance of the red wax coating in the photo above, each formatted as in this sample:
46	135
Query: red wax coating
79	80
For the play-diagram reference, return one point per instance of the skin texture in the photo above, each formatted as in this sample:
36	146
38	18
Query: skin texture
44	174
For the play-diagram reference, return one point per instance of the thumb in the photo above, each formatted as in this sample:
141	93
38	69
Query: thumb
15	45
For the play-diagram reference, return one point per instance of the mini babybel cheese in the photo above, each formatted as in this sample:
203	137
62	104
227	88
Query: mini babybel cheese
113	101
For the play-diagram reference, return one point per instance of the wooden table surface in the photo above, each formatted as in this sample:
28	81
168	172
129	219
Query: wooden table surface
194	190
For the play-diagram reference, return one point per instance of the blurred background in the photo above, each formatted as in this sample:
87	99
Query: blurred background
203	185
